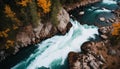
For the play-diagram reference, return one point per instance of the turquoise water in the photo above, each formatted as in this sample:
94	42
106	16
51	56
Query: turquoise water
52	53
92	13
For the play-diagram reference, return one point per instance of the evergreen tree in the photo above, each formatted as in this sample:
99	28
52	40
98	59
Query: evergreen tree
56	6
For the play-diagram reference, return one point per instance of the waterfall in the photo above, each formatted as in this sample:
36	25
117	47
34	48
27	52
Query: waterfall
53	52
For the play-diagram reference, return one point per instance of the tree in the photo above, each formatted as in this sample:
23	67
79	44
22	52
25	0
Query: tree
28	12
55	8
116	29
115	38
45	5
12	15
24	2
35	19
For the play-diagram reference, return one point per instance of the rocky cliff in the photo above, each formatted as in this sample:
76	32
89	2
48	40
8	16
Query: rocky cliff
81	4
97	54
29	35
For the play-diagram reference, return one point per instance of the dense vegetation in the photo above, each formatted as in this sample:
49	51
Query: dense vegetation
15	14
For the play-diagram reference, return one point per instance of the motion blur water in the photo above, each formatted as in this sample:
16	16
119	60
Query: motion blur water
53	52
93	13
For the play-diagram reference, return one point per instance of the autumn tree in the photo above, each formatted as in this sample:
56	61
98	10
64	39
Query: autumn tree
116	29
29	12
45	5
24	2
115	33
12	15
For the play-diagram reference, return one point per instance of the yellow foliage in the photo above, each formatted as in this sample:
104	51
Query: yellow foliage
9	43
1	35
24	2
9	12
116	29
45	5
7	30
15	27
4	33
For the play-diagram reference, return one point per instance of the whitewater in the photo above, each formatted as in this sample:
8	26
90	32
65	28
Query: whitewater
53	51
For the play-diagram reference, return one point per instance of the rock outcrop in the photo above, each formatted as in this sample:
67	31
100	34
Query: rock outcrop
81	4
100	54
63	18
29	35
95	55
105	32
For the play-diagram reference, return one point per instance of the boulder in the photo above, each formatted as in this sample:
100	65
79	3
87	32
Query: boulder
81	13
24	36
95	55
63	19
104	37
82	3
102	18
105	30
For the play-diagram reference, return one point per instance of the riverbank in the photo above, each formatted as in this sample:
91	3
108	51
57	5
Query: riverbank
97	54
102	54
55	45
28	35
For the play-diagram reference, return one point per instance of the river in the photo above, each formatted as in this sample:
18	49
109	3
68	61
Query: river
52	52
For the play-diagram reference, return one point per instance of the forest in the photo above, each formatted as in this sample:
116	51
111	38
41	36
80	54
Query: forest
15	14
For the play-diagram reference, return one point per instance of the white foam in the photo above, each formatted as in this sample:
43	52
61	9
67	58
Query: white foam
109	1
59	46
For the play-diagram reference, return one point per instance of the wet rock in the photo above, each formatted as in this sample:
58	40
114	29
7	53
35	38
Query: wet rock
102	19
105	30
104	37
83	61
81	4
73	57
117	13
118	3
81	13
86	2
111	20
96	55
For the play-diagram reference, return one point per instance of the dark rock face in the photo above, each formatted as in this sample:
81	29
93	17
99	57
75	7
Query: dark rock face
117	13
95	55
30	35
105	32
81	4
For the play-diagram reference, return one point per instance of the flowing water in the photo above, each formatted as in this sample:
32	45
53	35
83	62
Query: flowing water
52	53
93	13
